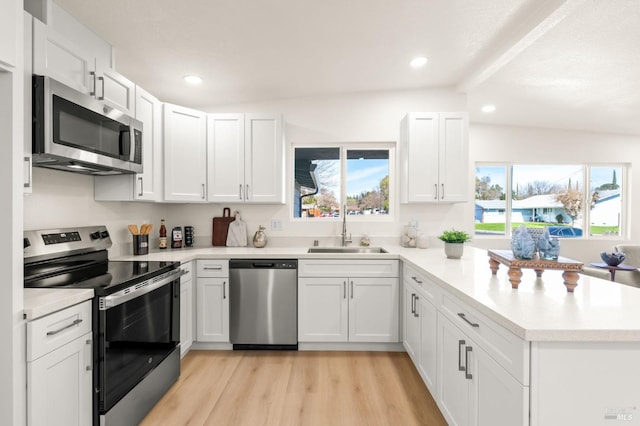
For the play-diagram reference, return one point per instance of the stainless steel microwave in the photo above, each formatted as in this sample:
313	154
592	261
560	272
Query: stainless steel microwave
75	132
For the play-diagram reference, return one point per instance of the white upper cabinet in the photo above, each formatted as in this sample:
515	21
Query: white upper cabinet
67	51
245	158
185	154
434	157
145	186
8	28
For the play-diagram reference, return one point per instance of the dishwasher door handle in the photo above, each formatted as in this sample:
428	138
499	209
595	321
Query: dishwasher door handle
263	265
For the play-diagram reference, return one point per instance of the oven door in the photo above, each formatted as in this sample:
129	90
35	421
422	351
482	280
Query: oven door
138	329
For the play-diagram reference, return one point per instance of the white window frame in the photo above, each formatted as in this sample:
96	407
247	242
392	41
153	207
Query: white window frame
344	147
586	225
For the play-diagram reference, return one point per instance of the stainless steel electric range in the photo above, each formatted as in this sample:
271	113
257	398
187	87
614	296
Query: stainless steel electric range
136	316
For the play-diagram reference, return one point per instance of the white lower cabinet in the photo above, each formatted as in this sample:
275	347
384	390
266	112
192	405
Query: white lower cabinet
420	325
212	299
59	368
186	308
347	308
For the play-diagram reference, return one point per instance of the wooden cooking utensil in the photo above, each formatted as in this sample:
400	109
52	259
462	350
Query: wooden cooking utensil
143	229
149	228
133	229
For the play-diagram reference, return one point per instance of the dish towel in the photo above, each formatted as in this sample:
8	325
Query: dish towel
237	235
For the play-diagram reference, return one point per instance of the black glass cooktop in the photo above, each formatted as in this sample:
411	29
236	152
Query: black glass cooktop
92	271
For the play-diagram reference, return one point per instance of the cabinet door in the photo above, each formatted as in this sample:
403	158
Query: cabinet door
61	59
185	159
498	398
453	157
427	315
186	316
420	158
115	90
145	186
373	309
411	329
453	386
59	390
213	309
323	314
225	151
8	27
264	159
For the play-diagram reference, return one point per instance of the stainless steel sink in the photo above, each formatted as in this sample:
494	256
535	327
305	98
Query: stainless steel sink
347	250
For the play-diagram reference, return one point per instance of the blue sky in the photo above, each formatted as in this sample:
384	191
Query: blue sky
365	175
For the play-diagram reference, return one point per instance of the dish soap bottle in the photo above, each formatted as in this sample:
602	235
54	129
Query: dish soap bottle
260	238
163	235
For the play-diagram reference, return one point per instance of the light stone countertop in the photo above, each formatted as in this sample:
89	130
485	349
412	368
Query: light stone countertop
39	302
540	309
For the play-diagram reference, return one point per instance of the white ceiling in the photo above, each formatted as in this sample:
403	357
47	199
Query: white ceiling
571	64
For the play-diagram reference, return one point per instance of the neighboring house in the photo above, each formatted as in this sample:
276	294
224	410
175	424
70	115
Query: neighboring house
545	208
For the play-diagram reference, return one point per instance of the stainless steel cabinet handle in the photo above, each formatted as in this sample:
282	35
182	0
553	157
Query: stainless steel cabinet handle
246	192
89	366
101	98
352	289
344	289
413	303
27	168
435	191
203	193
141	186
75	322
472	324
212	268
416	280
415	311
442	195
240	192
224	289
461	343
93	74
467	375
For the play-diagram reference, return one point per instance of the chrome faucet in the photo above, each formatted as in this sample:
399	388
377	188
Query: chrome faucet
345	240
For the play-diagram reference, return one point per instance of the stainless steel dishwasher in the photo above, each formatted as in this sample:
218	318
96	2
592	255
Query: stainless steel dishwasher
263	303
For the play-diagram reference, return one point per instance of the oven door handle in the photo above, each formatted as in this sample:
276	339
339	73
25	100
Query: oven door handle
137	290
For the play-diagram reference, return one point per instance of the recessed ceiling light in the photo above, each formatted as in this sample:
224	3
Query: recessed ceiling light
193	79
418	62
488	108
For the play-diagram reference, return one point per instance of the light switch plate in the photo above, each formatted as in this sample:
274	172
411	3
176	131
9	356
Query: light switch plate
276	225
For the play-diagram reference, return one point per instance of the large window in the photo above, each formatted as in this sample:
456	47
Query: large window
332	181
571	200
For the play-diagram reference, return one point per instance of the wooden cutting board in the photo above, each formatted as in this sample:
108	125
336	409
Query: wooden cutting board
221	227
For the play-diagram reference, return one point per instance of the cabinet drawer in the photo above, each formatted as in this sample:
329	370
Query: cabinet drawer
52	331
427	288
213	268
347	268
508	350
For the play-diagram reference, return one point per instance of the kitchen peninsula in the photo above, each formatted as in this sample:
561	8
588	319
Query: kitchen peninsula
535	356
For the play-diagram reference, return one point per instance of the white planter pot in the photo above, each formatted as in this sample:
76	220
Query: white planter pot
453	250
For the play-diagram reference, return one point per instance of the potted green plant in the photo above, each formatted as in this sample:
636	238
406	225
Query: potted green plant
454	242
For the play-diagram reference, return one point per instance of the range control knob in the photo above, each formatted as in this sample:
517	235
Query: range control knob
94	235
104	234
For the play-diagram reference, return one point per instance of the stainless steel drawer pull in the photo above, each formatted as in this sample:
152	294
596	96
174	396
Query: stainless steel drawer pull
212	268
415	311
75	322
416	280
224	289
467	375
461	343
413	303
472	324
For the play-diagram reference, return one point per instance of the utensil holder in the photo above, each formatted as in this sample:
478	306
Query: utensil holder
141	244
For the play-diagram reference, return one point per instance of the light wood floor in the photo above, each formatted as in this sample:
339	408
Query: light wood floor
296	388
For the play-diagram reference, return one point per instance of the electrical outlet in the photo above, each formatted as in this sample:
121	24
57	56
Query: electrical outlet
276	225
